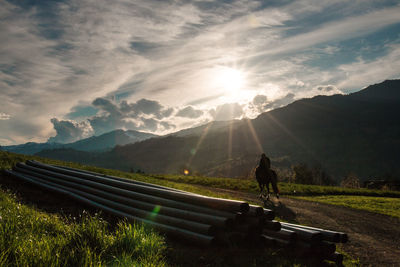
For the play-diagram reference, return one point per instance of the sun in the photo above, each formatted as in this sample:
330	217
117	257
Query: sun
231	80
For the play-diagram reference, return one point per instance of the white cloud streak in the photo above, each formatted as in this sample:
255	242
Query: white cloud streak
4	116
169	51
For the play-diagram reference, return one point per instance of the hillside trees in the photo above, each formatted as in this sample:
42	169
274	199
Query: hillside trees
303	174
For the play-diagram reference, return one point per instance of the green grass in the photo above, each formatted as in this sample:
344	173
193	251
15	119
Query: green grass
29	237
285	188
383	205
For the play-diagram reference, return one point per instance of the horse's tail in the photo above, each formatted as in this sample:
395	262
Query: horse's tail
274	181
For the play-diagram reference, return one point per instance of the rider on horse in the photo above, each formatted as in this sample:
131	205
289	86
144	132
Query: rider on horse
265	175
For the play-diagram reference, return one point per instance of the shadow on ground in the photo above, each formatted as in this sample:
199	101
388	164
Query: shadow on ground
281	210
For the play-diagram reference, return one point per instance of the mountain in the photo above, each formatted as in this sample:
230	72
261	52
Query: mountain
358	133
212	127
95	143
31	148
109	140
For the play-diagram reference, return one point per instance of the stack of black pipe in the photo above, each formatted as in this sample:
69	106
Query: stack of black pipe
307	240
183	215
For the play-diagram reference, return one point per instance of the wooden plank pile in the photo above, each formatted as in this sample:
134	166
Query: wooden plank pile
182	215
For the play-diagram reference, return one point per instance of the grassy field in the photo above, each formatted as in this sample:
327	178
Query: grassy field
290	189
383	205
29	237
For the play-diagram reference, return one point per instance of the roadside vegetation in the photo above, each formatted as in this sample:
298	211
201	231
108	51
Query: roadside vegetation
383	205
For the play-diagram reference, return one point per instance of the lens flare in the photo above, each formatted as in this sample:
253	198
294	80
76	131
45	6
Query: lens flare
186	172
154	212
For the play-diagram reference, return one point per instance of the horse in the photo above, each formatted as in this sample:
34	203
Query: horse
264	178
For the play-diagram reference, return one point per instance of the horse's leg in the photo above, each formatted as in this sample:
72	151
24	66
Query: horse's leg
261	189
267	185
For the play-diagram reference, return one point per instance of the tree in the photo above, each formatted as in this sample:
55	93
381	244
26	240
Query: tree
321	177
316	175
302	174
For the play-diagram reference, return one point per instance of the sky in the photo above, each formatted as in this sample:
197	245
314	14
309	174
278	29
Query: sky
76	68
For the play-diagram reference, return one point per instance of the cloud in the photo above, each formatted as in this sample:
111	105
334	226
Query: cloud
68	131
348	28
166	126
4	116
144	115
189	112
363	73
57	58
145	107
328	90
289	98
260	103
227	112
259	100
107	106
81	111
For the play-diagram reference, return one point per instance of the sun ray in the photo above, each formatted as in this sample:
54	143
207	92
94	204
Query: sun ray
199	142
291	135
230	134
255	136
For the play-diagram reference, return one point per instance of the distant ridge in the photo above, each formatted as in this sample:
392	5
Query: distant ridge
385	91
102	142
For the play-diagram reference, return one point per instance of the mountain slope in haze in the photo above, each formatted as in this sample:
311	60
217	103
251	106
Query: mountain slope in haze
95	143
212	127
31	148
109	140
357	133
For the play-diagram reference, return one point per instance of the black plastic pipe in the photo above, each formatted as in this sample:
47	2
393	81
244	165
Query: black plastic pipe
131	194
282	234
168	220
216	221
170	230
269	214
327	235
118	178
272	225
214	203
305	234
278	241
268	241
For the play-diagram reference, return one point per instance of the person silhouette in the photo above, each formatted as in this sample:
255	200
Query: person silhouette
265	162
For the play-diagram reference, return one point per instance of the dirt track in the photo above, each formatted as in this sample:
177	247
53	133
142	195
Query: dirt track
374	239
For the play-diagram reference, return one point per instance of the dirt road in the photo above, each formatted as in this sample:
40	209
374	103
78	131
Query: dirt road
374	239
